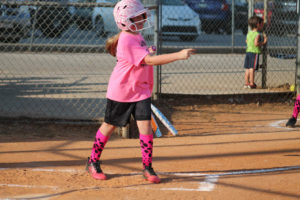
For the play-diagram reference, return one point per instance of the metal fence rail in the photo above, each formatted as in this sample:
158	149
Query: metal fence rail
53	63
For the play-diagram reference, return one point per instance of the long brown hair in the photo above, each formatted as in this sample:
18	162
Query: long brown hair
111	44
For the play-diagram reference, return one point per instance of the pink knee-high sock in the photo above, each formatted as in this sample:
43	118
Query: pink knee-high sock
99	143
146	147
296	107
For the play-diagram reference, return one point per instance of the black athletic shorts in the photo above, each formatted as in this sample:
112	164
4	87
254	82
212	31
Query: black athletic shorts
119	113
251	61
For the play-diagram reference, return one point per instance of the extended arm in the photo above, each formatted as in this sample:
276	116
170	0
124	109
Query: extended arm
168	58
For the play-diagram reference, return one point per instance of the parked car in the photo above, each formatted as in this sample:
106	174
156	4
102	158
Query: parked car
14	22
284	21
103	20
284	17
216	15
83	15
241	15
99	19
259	10
52	20
178	19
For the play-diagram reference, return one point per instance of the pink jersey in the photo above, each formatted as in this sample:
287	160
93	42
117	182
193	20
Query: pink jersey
131	80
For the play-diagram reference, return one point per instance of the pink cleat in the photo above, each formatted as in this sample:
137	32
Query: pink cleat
150	175
95	170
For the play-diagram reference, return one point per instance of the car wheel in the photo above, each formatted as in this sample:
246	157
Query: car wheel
188	38
276	31
228	31
99	27
208	31
15	39
227	27
206	27
245	31
53	22
10	39
80	25
84	24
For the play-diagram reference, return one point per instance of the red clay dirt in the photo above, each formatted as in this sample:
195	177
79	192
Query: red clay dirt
222	152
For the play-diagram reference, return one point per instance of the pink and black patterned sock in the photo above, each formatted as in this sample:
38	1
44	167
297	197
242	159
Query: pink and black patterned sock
146	148
296	107
99	143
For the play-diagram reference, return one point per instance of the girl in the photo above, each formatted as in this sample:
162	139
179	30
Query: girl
130	85
292	121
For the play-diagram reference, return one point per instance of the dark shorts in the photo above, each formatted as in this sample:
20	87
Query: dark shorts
119	113
251	61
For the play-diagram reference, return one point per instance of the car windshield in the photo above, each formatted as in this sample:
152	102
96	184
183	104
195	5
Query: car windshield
172	2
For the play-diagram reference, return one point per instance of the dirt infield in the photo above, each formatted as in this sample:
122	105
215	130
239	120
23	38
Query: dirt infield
222	152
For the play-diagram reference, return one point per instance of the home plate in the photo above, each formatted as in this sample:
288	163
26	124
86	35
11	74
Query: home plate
281	124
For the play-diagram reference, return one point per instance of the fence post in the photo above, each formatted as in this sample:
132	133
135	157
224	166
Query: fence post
297	74
33	11
264	49
232	24
155	41
250	10
156	38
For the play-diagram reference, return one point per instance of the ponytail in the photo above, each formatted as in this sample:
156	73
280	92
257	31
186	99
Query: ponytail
111	45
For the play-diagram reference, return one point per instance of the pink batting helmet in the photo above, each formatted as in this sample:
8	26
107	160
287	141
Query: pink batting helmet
126	9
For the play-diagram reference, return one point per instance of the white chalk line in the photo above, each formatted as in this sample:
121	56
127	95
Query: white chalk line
48	170
58	170
207	185
30	186
40	195
241	172
210	179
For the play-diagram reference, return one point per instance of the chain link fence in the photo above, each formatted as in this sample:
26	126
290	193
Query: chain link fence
218	69
53	63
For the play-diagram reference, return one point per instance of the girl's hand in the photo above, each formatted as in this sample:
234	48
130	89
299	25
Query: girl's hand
186	53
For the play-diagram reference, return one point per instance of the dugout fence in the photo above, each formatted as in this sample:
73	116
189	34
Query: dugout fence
53	63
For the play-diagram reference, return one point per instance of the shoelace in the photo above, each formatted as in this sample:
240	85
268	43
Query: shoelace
97	166
151	171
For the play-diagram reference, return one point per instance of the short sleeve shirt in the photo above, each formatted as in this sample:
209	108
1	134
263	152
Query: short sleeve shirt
250	43
131	79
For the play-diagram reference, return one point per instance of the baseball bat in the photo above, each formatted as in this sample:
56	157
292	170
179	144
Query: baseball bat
155	127
164	120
